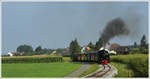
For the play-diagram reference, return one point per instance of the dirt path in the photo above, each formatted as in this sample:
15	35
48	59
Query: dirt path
79	71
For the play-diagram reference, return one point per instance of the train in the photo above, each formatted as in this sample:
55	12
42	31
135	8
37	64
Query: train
101	56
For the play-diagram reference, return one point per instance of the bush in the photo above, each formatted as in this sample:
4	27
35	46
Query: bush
32	59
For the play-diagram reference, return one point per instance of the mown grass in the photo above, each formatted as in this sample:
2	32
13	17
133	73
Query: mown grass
91	69
39	69
138	63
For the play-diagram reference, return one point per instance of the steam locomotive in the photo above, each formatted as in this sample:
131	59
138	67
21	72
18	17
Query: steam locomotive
101	57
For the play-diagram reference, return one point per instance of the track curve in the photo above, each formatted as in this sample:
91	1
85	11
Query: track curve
100	73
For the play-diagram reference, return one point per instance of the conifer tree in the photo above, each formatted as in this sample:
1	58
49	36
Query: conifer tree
99	44
135	45
143	41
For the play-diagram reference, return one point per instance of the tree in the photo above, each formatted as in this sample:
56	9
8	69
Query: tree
135	45
143	41
38	49
71	47
91	45
74	47
77	46
24	48
99	44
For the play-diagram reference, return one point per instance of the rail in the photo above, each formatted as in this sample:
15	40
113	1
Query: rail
102	72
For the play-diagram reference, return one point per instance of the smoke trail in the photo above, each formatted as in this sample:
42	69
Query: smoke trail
114	28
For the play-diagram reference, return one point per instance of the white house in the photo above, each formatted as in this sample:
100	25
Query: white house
10	53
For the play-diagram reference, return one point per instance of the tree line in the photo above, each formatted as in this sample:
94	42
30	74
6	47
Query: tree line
74	47
28	50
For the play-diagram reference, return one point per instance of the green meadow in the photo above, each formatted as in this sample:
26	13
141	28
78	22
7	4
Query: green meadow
56	69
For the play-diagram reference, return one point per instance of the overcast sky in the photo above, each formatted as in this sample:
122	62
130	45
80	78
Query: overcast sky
56	24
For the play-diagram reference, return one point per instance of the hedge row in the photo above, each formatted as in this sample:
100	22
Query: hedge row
32	60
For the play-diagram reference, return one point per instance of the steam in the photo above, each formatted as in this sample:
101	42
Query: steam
114	28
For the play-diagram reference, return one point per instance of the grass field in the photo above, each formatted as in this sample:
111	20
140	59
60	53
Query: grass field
39	69
132	65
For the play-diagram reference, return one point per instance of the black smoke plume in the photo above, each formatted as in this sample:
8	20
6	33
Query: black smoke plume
114	28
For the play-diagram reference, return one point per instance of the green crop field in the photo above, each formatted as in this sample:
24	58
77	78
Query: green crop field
132	65
39	69
31	59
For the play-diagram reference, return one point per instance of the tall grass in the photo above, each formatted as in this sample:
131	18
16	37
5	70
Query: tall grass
123	70
140	66
137	62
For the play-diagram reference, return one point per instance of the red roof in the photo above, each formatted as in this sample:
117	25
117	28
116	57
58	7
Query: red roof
114	46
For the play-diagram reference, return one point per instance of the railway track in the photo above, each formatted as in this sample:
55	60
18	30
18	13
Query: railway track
102	72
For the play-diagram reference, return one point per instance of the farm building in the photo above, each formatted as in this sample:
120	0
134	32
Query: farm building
85	49
10	54
123	50
114	46
119	49
15	53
